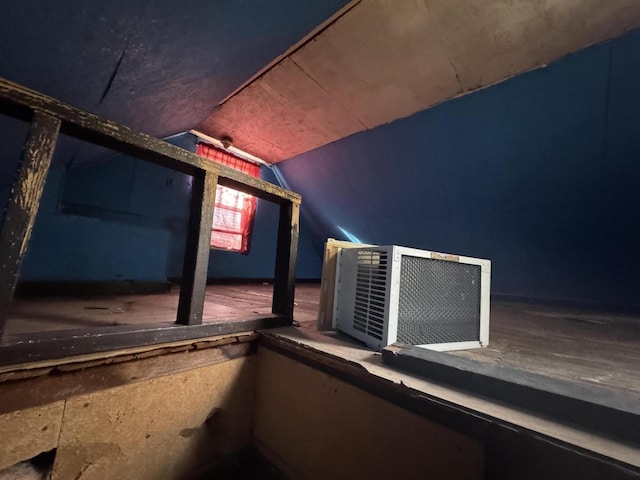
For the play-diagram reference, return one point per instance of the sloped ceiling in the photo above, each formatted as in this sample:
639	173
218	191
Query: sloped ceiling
164	67
159	66
387	59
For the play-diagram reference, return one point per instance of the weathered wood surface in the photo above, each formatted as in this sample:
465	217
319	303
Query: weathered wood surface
60	382
198	246
160	428
594	347
19	101
23	204
25	349
231	303
44	367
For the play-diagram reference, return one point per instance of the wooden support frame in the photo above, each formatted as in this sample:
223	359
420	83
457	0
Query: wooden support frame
51	117
23	204
196	258
285	273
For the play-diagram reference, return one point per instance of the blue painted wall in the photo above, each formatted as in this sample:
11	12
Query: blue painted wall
109	220
126	219
539	173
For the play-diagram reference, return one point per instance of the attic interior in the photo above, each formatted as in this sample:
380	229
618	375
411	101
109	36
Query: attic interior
132	348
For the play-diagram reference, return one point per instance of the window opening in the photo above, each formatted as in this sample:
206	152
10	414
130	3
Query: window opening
234	211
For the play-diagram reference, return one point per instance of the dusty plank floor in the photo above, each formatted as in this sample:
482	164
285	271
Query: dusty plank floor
587	346
222	303
568	343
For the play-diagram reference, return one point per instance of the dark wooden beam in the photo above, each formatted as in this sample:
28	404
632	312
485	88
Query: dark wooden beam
19	101
33	347
287	251
196	255
23	204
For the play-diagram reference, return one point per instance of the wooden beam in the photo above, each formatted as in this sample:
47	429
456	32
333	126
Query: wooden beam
23	204
196	255
19	101
27	348
287	251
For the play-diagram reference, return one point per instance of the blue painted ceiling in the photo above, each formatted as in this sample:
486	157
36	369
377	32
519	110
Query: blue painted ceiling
158	66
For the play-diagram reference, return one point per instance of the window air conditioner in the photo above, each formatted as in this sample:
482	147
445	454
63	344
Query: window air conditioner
392	294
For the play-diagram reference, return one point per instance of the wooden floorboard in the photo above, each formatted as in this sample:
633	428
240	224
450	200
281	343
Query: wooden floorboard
222	303
568	343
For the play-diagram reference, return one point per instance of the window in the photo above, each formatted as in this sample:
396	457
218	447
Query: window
234	211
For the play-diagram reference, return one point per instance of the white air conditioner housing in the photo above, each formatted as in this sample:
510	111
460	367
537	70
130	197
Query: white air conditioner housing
390	294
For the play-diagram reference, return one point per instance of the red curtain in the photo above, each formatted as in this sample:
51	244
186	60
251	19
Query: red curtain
234	212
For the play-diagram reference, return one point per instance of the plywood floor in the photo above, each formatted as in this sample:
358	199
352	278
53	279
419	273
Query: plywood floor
568	343
222	303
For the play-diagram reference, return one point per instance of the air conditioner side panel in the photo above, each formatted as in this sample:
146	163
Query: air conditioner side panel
345	286
374	267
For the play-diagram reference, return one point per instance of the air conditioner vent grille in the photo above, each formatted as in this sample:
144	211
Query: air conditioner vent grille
439	301
371	293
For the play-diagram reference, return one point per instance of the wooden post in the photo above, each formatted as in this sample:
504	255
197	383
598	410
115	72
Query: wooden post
287	251
196	255
23	204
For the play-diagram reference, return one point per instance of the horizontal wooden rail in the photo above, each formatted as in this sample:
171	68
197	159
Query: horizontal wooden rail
21	102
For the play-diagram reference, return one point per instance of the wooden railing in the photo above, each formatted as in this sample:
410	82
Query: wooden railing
49	118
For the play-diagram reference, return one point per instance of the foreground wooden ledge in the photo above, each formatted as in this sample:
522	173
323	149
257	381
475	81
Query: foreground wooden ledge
471	413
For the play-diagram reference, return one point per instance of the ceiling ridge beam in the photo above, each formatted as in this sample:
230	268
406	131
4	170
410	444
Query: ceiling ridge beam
292	49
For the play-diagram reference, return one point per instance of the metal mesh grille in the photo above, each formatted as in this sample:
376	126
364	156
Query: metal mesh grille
439	301
371	293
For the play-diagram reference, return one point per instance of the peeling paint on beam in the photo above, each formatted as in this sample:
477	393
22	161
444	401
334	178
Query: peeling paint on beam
27	348
23	204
